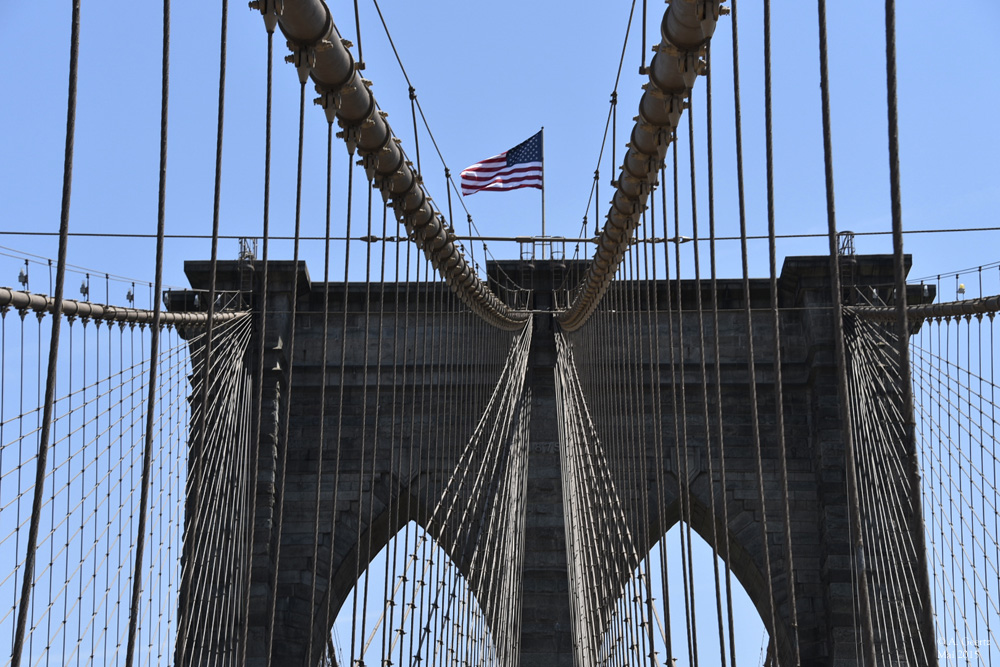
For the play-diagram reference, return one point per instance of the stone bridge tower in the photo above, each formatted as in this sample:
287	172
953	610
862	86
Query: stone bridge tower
819	521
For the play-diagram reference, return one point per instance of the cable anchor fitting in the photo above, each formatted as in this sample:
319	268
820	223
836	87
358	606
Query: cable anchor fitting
304	59
350	136
270	11
369	161
330	104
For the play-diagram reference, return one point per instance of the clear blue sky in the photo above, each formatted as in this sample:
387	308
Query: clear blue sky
488	76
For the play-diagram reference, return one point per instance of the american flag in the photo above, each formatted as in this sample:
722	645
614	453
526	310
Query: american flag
520	167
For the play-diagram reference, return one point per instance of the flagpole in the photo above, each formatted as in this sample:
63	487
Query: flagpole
543	191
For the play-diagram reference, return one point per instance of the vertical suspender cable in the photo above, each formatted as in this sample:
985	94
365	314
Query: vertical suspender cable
412	258
854	508
628	329
642	64
154	344
364	449
357	30
451	214
50	378
779	395
683	469
614	124
199	450
664	577
416	135
926	620
286	414
597	201
270	22
321	436
365	374
656	436
340	387
754	416
710	468
395	504
716	351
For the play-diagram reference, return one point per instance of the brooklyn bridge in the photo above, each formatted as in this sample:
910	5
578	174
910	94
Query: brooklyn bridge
664	440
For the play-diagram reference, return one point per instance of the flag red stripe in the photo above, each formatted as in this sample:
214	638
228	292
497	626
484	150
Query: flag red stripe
517	179
523	168
520	176
489	162
497	187
531	180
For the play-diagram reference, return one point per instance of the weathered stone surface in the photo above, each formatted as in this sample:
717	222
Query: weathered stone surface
419	378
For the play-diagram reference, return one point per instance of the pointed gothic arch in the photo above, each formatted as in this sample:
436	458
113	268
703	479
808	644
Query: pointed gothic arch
660	619
431	601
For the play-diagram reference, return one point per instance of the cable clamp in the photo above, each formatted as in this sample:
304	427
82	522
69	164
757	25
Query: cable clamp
662	139
351	135
369	162
330	103
304	59
383	185
270	11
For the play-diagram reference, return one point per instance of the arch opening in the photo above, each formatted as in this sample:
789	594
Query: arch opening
414	604
641	629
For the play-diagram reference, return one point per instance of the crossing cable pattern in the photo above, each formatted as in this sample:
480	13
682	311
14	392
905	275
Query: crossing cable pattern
435	609
437	491
955	390
687	397
423	436
602	598
367	511
440	463
82	586
621	386
641	397
211	606
891	554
